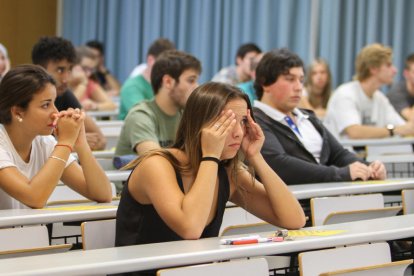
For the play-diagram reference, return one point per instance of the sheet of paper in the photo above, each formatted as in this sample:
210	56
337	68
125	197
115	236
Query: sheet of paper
304	233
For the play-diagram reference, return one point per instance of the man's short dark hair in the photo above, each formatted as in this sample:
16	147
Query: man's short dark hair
160	45
274	64
244	49
172	63
95	44
52	48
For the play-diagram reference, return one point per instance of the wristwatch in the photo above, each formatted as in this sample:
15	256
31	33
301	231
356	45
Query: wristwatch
391	128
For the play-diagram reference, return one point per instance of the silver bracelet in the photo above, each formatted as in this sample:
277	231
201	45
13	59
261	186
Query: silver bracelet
58	158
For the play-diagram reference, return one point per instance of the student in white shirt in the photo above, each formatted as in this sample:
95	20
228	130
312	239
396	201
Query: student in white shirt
31	161
358	109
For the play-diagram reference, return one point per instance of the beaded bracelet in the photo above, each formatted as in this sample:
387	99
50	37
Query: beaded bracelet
64	145
58	158
210	158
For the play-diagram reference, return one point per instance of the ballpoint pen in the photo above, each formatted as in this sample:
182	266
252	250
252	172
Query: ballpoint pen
229	241
250	240
259	240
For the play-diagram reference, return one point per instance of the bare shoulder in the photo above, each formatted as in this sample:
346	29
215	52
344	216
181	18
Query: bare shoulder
160	164
150	172
154	164
152	176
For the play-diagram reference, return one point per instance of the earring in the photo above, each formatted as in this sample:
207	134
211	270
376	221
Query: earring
20	119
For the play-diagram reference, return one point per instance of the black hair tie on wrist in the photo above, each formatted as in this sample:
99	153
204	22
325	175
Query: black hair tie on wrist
209	158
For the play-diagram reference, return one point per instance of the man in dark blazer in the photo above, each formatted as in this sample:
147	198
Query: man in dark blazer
297	145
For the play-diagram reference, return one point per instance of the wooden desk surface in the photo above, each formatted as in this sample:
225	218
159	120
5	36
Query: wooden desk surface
152	256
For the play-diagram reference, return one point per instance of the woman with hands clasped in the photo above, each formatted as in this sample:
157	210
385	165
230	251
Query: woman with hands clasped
31	160
181	192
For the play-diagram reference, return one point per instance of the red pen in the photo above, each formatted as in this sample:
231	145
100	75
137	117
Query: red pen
258	240
229	241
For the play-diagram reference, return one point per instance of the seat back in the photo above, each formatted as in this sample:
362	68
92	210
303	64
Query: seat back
114	124
249	228
111	134
49	249
27	241
408	201
245	267
23	237
237	216
64	194
316	262
100	115
386	269
98	234
321	207
347	216
106	163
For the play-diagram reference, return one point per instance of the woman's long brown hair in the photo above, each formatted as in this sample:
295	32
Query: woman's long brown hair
327	90
204	105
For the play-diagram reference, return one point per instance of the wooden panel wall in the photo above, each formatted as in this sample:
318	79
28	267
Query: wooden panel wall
22	22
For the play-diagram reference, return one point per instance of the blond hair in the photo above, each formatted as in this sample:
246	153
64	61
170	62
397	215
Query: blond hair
371	56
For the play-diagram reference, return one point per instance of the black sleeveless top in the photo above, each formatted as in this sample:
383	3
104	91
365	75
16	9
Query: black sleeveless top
138	223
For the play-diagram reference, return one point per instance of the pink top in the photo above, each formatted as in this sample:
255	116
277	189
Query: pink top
90	88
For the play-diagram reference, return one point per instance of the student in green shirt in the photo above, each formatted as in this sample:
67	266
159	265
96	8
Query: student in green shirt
138	88
153	124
